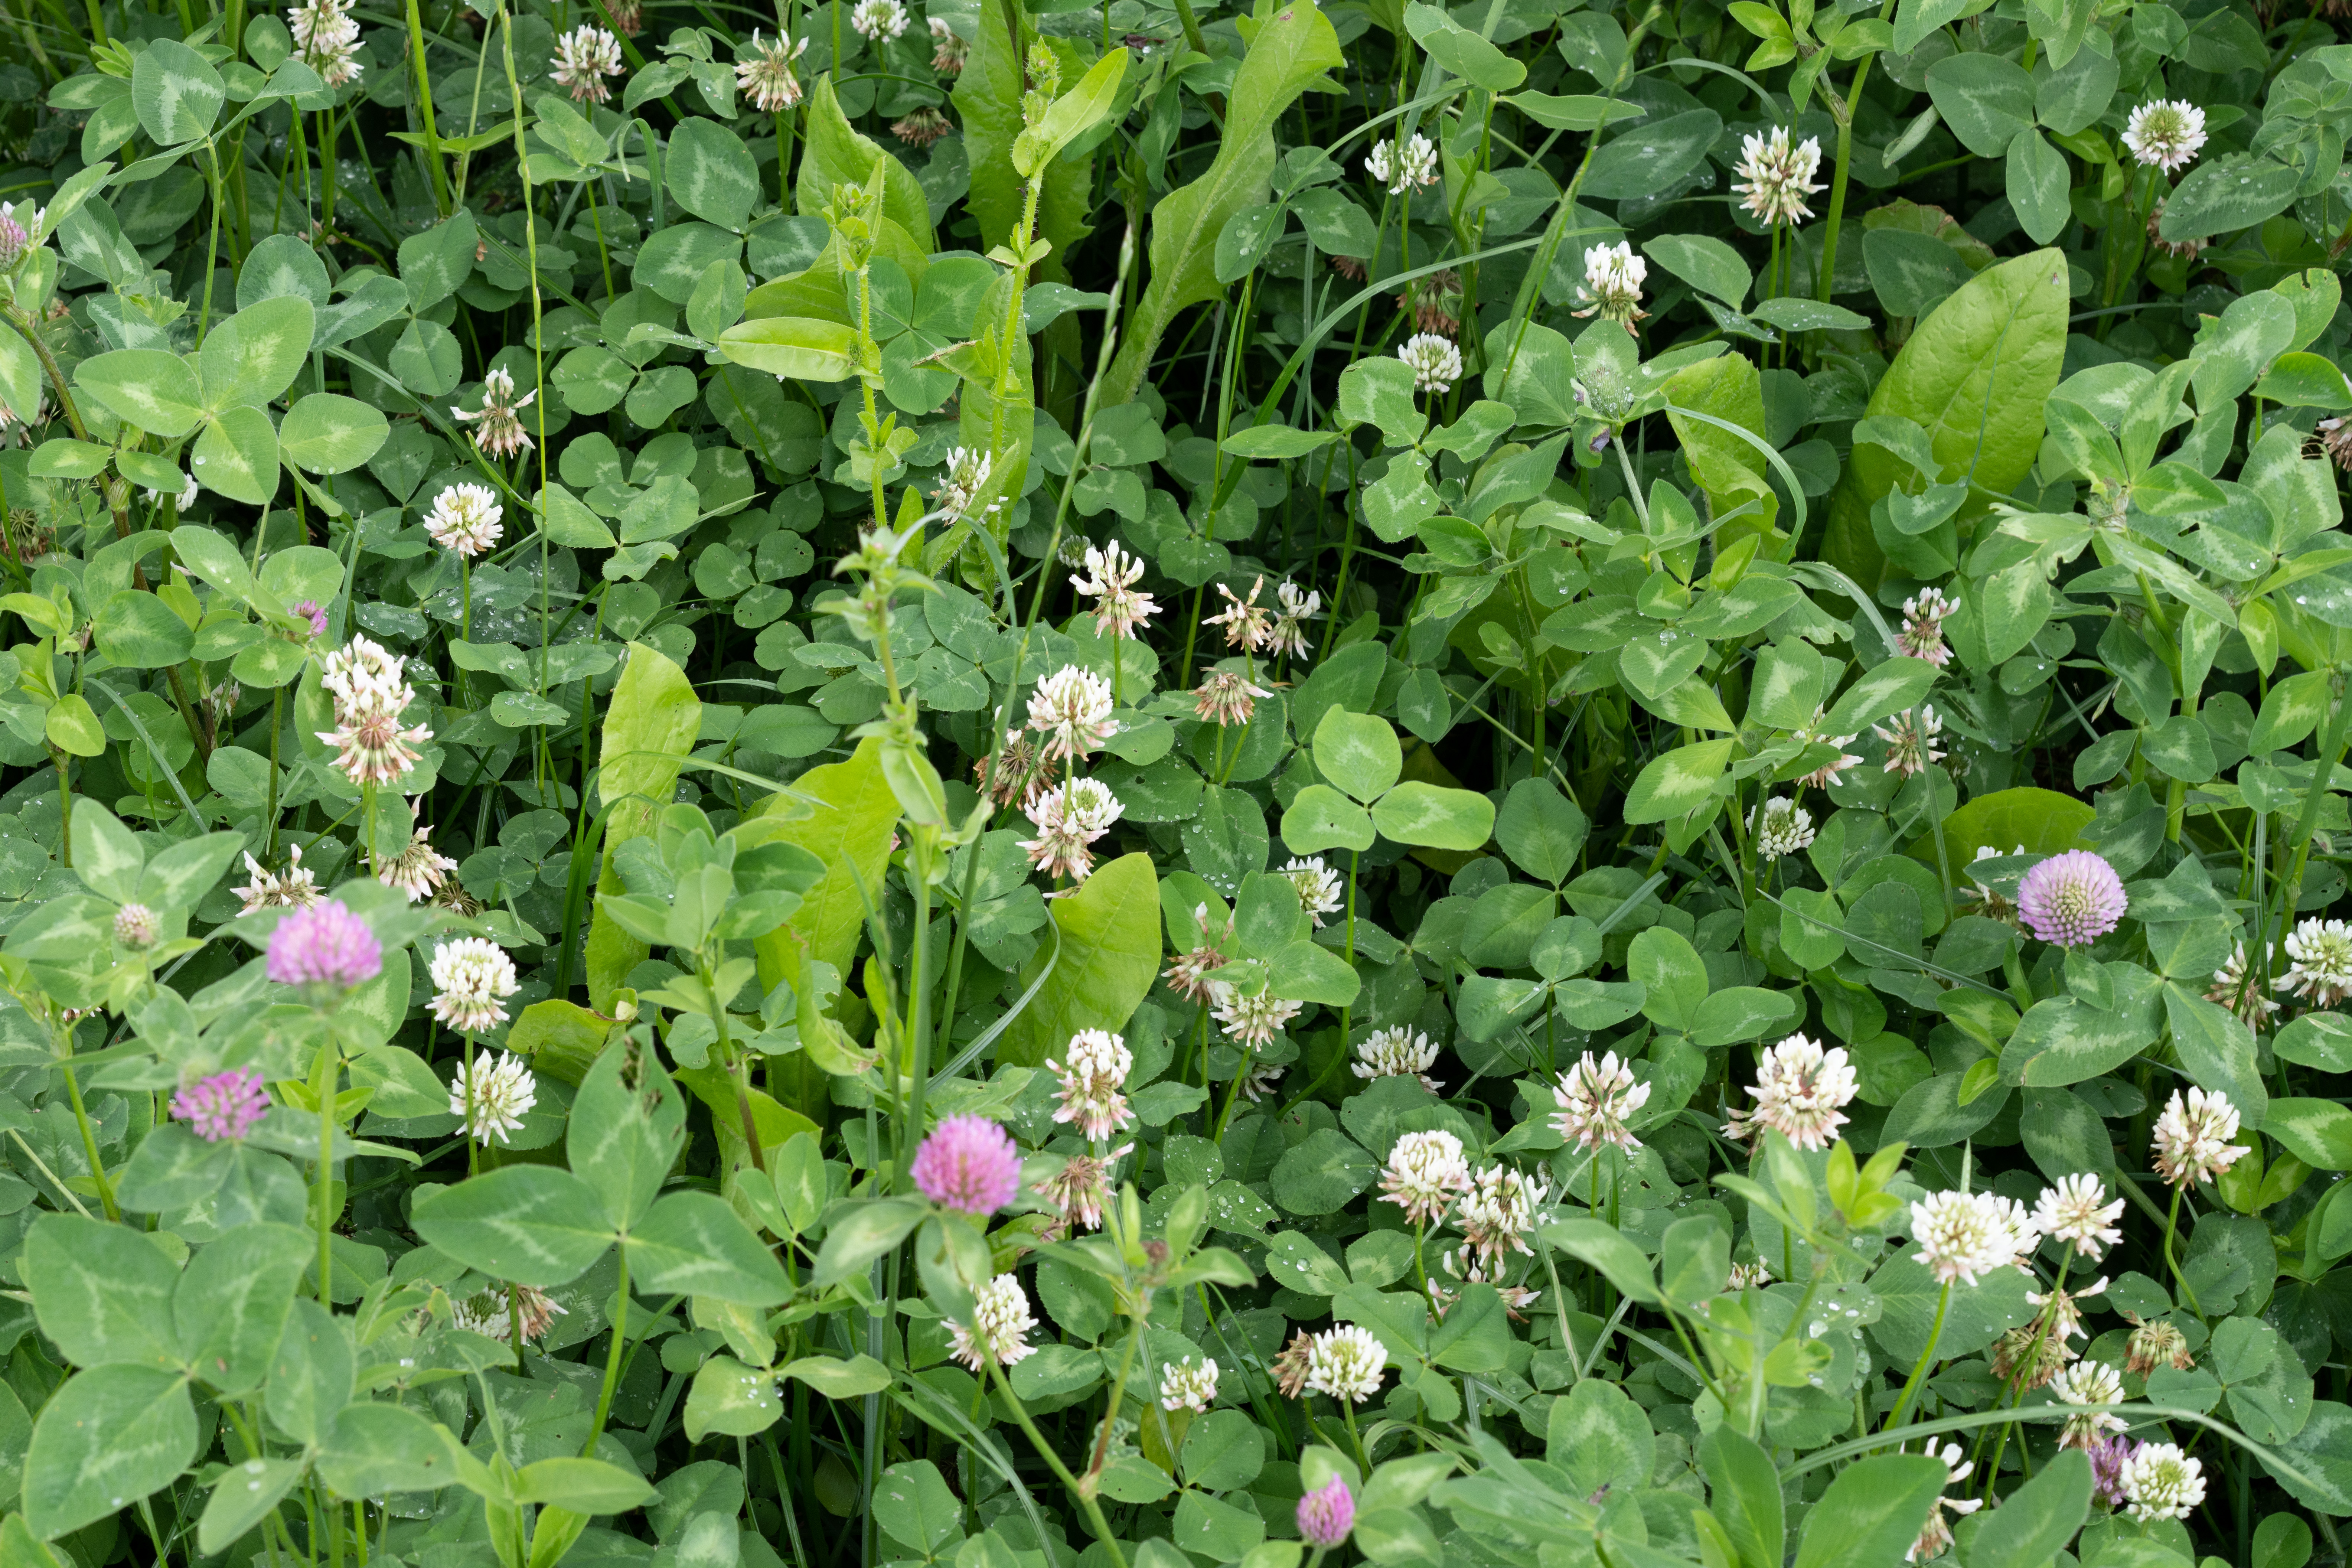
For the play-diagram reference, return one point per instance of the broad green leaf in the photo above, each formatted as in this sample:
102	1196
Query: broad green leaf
1704	262
692	1244
1652	157
1974	375
2316	1131
1872	1512
139	631
327	433
1675	783
1359	752
155	390
1290	50
732	1400
582	1486
243	1496
1600	1245
1071	115
236	454
377	1447
650	724
230	1308
1986	99
849	828
627	1126
2036	1522
532	1225
838	1379
1109	954
1744	1495
106	1439
249	359
178	94
102	1294
1434	816
1321	818
2226	194
798	348
2037	185
312	1373
1600	1437
711	173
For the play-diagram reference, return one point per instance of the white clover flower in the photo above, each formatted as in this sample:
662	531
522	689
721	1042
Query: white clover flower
1111	575
1613	276
2077	1212
1072	709
1965	1236
584	57
764	74
465	518
1252	1020
1183	1386
1924	615
2319	968
1002	1320
1936	1535
879	19
966	476
1745	1275
1416	166
1289	632
1436	363
370	694
2237	987
469	976
1781	827
1497	1215
490	1099
1099	1064
2165	133
418	870
1067	821
1775	176
2161	1482
1397	1053
1425	1174
1597	1100
1801	1090
1910	738
1321	891
491	1312
499	421
1226	698
326	39
2089	1383
295	889
2192	1137
1090	807
1345	1362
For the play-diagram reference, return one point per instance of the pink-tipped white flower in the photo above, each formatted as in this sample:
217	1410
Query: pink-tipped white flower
1226	698
1910	738
1613	276
1801	1090
471	977
1289	632
1099	1064
418	870
1497	1213
2193	1137
764	73
1110	578
1425	1174
1776	175
1781	827
1923	626
1252	1020
327	39
1000	1326
879	20
294	888
584	57
1597	1100
1247	624
1072	710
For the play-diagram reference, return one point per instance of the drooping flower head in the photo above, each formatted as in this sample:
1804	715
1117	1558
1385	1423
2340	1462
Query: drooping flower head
1188	973
492	1097
465	518
1597	1100
498	431
1081	1189
471	976
1910	738
923	127
1326	1514
325	946
1183	1386
1289	632
1435	361
2154	1344
1345	1362
1936	1536
1110	579
1247	624
491	1312
226	1105
2165	133
418	870
1001	1319
2071	900
948	52
2193	1137
1425	1174
1402	170
1227	698
584	57
764	73
968	1164
1776	175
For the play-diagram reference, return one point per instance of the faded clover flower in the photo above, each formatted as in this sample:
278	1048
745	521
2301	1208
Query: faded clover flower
2154	1343
418	870
471	977
2192	1137
1397	1052
2237	987
1001	1325
2071	900
226	1105
1227	698
1436	363
1247	624
1188	974
1746	1276
296	888
465	518
1910	738
1497	1213
948	52
490	1099
1081	1188
584	57
1597	1100
1775	176
1936	1535
1290	1368
1416	164
1068	820
764	73
1814	734
923	127
1110	579
2165	133
499	432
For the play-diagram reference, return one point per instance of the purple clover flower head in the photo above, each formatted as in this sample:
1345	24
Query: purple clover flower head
2071	900
13	240
226	1105
1326	1514
2108	1456
316	613
326	946
968	1163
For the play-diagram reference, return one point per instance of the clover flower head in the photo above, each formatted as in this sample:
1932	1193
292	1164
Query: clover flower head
1775	174
2193	1137
1497	1213
490	1098
465	518
2160	1481
2237	987
1801	1090
1326	1514
2154	1343
1781	827
1183	1386
1072	710
764	73
1397	1052
327	39
2319	962
1110	578
1252	1020
1000	1326
1402	170
1936	1536
961	481
1910	738
1099	1064
1597	1098
471	977
295	889
498	431
1965	1236
2089	1383
419	870
1923	626
1188	974
2077	1212
968	1164
1247	624
2165	133
2071	900
948	52
1611	290
326	946
584	57
136	926
923	127
1435	361
1321	891
1297	607
1425	1174
1081	1188
879	20
1816	734
1346	1363
491	1312
1226	698
226	1105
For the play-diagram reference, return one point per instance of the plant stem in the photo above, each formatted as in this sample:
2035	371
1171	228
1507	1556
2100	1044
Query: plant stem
1926	1357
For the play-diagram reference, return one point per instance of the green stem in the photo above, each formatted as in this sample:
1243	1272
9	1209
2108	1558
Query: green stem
88	1135
612	1360
323	1081
1926	1357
